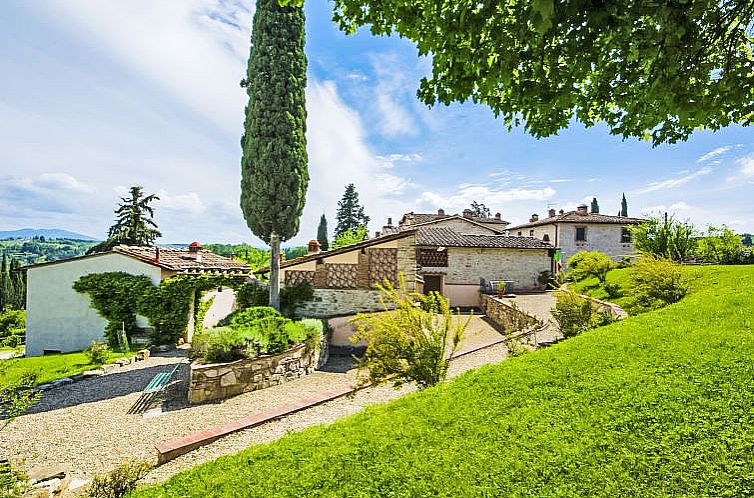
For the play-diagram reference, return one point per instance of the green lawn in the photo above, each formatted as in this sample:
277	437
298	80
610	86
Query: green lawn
660	404
591	287
50	367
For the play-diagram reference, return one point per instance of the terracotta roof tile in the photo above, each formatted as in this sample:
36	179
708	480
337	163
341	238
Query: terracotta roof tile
439	236
575	217
181	260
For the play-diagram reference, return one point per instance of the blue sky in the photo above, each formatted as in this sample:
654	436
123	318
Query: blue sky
97	95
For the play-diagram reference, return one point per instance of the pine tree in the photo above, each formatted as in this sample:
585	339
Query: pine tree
624	206
322	234
350	214
274	174
595	206
134	223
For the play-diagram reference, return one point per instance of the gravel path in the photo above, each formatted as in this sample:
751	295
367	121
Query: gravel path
85	428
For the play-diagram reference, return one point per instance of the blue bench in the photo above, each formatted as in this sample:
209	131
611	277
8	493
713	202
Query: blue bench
155	387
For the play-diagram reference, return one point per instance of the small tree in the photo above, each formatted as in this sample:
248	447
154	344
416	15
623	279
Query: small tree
572	312
665	238
585	264
656	283
411	343
134	223
595	206
480	210
624	206
350	214
350	237
324	244
719	245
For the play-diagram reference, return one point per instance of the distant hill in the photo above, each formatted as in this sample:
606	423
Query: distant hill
48	233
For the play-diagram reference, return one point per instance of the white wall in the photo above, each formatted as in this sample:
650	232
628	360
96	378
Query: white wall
58	317
222	306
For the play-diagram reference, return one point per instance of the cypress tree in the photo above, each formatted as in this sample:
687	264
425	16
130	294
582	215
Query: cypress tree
17	286
274	174
322	234
350	214
595	206
4	291
624	206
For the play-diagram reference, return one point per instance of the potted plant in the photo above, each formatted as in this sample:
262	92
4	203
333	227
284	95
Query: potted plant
500	289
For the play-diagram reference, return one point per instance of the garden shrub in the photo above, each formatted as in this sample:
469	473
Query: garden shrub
253	293
97	353
613	289
585	264
219	345
409	343
119	481
572	312
249	316
13	481
291	296
12	327
656	283
720	245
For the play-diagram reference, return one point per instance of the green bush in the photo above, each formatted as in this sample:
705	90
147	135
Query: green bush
409	343
97	353
664	237
219	345
118	482
291	296
249	316
720	245
12	323
613	289
252	294
585	264
13	481
572	312
656	283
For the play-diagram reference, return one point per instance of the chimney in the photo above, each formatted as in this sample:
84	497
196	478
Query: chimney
389	222
156	254
195	249
551	213
498	216
313	247
468	213
232	256
441	212
582	210
561	212
534	217
377	234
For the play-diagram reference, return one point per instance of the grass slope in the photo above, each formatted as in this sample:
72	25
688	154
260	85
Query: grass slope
660	404
591	287
50	367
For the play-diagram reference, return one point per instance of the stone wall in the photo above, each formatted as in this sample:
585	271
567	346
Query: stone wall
467	265
338	302
223	380
407	260
504	315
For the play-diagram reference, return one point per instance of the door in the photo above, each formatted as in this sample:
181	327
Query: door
432	283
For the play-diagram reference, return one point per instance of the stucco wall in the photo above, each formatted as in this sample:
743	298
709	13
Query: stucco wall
467	265
222	306
604	238
59	318
462	295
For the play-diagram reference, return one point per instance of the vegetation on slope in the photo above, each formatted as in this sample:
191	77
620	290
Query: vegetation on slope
658	404
50	367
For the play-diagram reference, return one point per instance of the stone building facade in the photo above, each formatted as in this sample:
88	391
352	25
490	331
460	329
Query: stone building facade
581	230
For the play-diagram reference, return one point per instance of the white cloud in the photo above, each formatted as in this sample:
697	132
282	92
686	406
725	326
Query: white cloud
715	152
673	182
189	203
747	165
392	118
675	208
491	197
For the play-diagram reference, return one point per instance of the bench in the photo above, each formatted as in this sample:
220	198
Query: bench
155	387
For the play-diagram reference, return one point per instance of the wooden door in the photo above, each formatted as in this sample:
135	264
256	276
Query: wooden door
432	283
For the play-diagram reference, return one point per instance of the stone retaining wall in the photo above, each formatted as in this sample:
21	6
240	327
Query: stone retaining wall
612	309
504	315
337	302
223	380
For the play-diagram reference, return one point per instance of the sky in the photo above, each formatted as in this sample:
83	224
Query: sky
98	95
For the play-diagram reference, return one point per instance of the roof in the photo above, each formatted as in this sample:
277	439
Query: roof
420	218
575	217
172	259
439	236
341	250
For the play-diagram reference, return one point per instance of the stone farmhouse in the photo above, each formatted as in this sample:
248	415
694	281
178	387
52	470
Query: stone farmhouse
581	230
451	254
59	319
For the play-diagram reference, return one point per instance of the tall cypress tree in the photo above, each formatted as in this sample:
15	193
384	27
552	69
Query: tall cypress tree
274	174
17	286
4	284
322	234
624	206
595	206
350	214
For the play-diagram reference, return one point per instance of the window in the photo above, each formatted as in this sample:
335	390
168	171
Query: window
519	233
625	236
580	234
546	238
531	233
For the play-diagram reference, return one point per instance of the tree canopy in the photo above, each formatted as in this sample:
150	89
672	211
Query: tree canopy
350	214
652	70
480	210
134	223
324	243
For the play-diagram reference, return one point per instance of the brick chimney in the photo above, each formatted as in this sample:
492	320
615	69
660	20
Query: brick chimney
195	251
551	213
156	254
313	247
582	210
498	216
561	212
441	212
534	217
468	213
